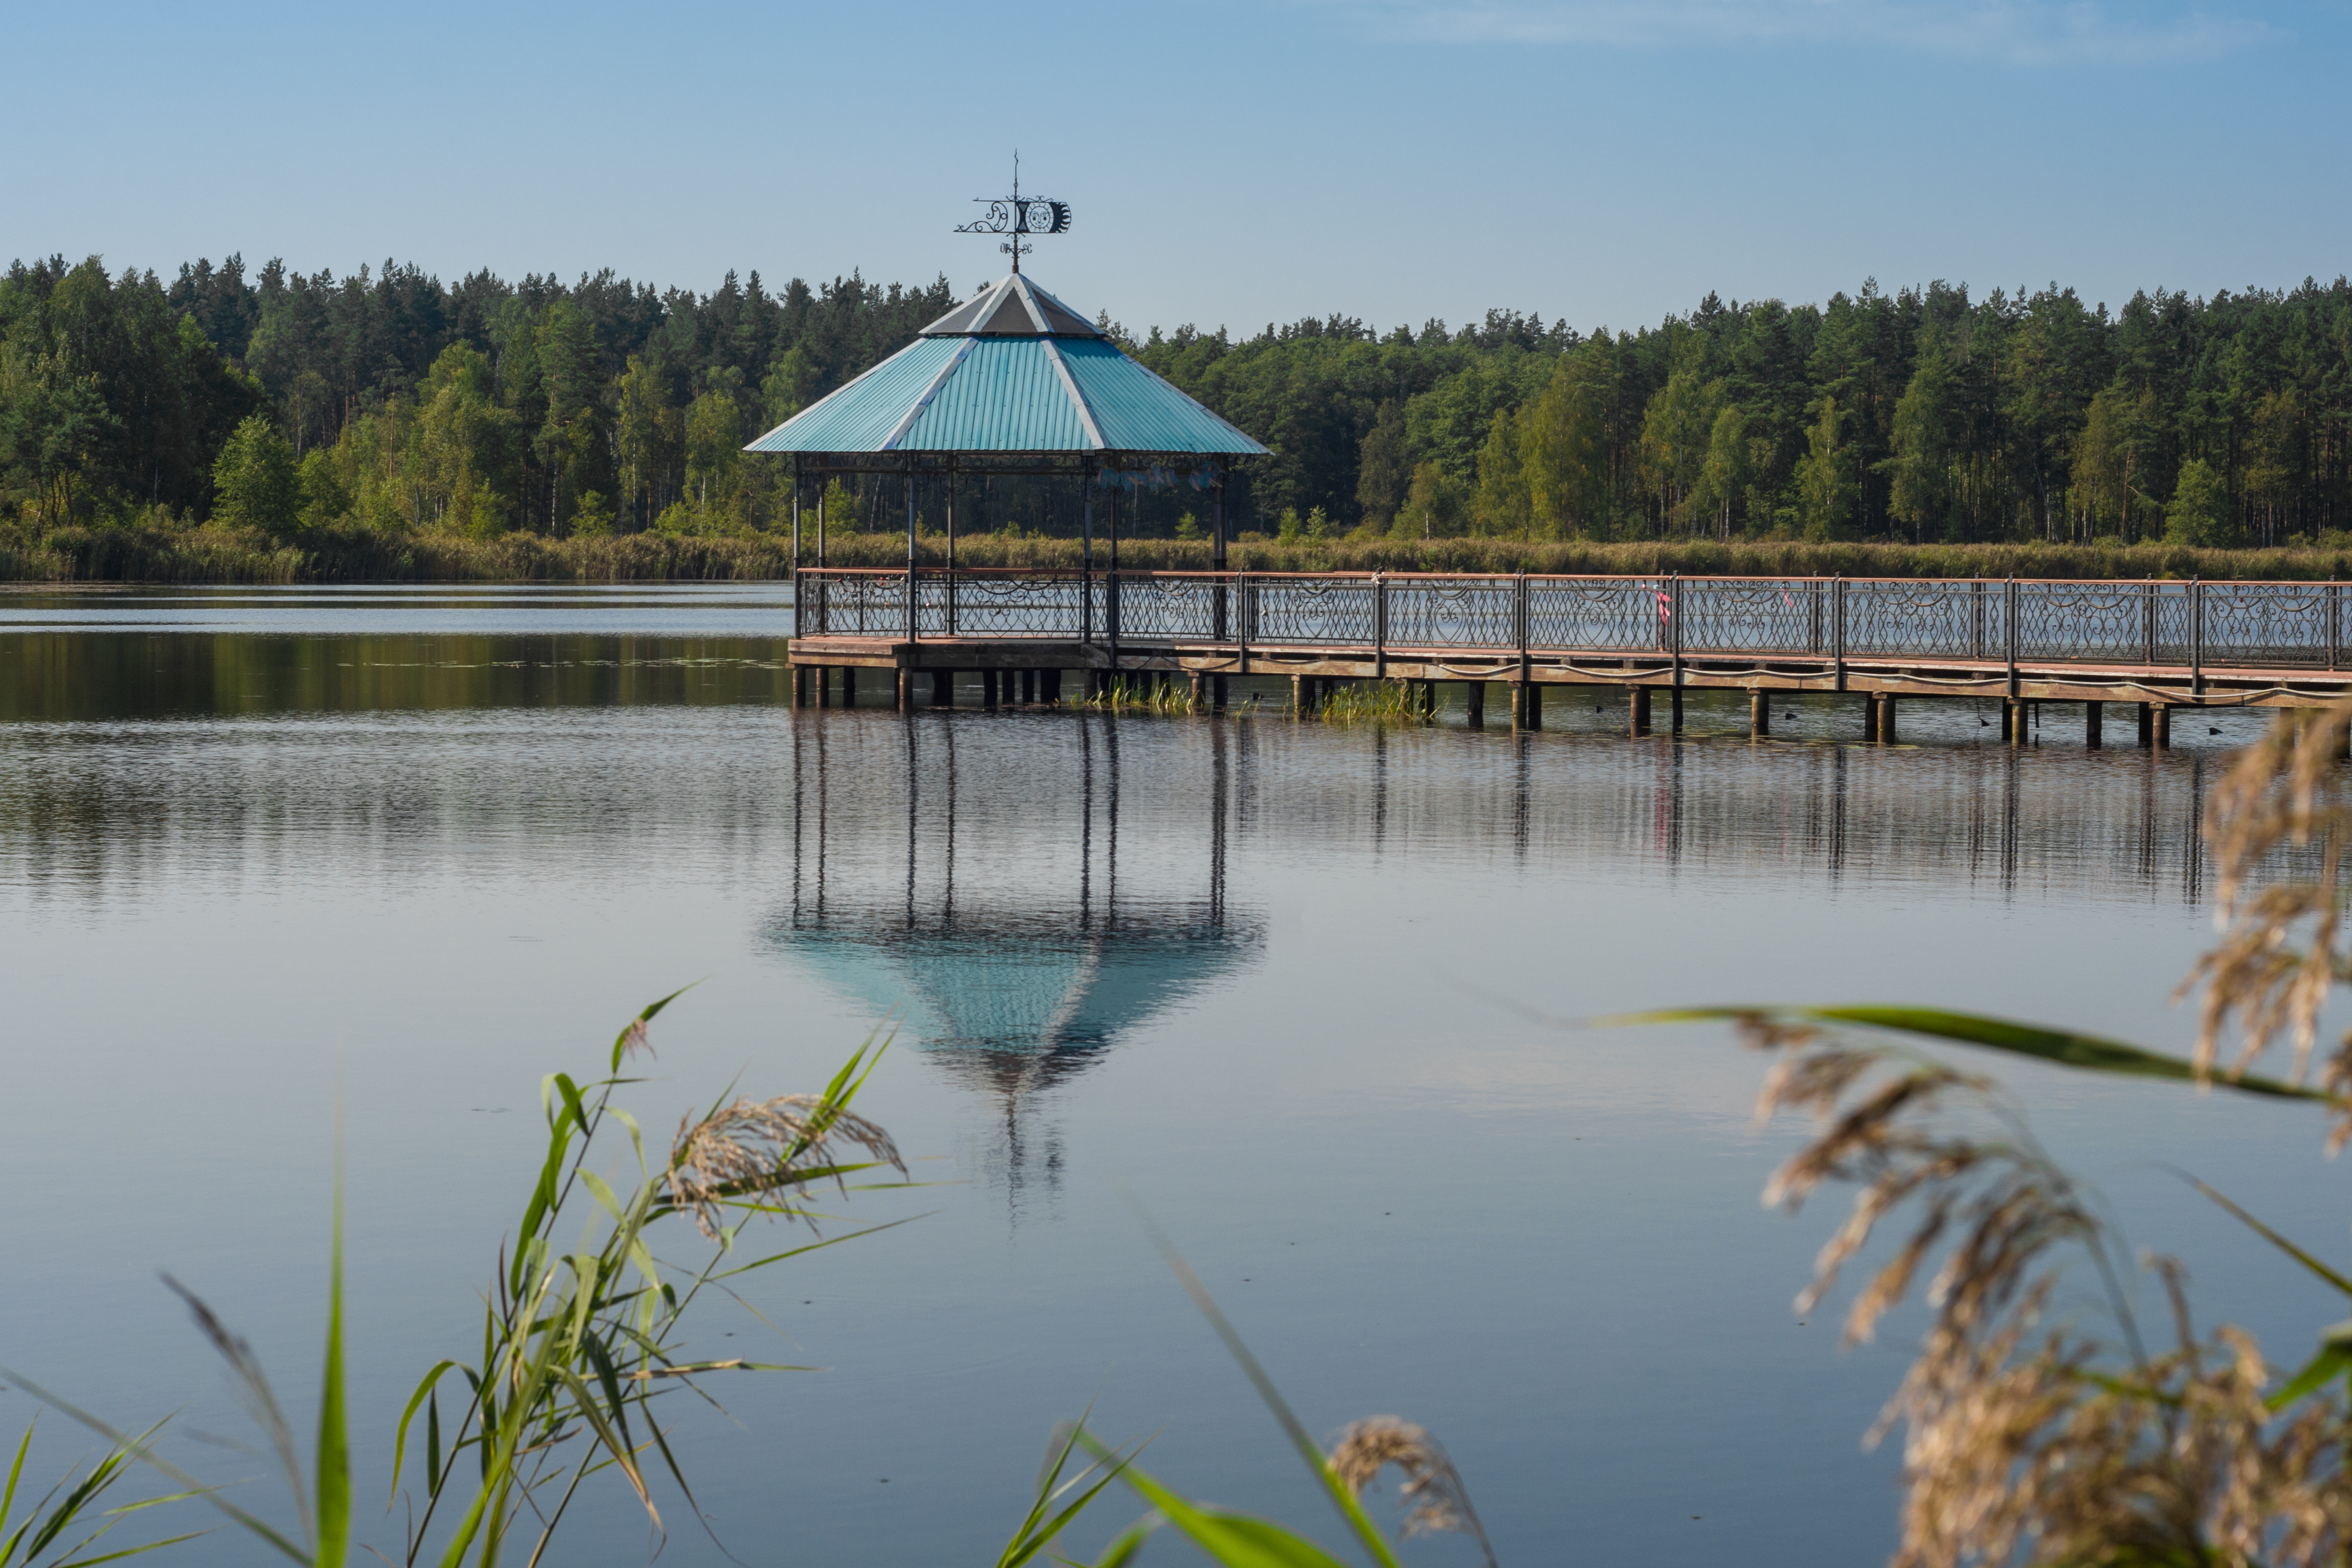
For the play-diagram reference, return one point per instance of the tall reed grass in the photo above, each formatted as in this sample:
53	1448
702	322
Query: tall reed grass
2028	1438
214	554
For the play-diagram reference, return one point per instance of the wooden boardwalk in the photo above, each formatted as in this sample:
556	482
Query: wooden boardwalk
2158	645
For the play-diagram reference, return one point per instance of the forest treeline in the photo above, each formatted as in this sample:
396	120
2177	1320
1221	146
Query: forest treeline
371	416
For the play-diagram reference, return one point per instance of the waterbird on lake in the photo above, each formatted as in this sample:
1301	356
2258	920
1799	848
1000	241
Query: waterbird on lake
2210	731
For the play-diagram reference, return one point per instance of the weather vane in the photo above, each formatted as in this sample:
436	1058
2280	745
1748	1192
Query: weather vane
1017	215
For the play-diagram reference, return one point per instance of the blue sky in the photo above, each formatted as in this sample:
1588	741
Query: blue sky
1230	161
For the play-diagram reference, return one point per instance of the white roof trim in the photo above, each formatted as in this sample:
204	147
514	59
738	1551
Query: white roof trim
907	420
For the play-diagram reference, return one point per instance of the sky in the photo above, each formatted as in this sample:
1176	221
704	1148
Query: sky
1230	163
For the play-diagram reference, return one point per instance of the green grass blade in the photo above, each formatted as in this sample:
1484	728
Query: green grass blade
2267	1234
1350	1511
814	1246
15	1474
2063	1047
137	1448
1236	1540
333	1461
1127	1543
2334	1358
400	1434
129	1551
634	1029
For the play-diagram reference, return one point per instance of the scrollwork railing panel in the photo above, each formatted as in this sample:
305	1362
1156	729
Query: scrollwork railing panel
2290	624
1453	612
1311	610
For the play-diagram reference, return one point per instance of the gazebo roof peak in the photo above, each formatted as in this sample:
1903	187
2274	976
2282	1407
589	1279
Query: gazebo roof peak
1012	371
1012	307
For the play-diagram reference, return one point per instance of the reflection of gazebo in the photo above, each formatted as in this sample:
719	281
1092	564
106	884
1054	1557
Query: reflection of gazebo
1015	970
1016	1011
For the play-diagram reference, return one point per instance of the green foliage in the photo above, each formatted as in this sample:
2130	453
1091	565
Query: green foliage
480	407
259	481
2197	515
1824	480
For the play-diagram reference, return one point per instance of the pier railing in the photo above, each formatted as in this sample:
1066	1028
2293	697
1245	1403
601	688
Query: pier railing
1977	620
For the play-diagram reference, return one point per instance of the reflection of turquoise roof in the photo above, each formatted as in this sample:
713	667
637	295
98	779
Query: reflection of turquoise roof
1025	996
1013	370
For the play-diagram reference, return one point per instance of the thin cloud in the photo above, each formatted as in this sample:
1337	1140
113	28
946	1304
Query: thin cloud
2022	32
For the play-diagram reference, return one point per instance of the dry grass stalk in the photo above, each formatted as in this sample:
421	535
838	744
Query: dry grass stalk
756	1148
1433	1491
2278	956
2017	1447
2023	1443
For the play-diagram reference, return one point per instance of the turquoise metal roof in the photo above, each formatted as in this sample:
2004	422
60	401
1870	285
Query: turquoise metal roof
1013	370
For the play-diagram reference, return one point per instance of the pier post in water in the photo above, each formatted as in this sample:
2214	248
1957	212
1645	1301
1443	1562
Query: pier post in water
1532	702
799	686
1759	713
988	688
1886	718
823	690
1298	695
1476	696
906	694
1640	705
849	686
944	688
1049	685
2095	721
1674	710
1200	690
1217	692
2147	724
2162	735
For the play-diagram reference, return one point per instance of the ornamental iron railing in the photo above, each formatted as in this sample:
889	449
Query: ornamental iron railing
1972	620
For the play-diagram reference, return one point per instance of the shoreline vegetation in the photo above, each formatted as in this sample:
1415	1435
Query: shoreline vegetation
217	555
389	426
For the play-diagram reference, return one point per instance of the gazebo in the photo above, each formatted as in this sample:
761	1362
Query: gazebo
1011	383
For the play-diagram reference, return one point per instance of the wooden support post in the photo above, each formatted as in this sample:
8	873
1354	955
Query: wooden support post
1759	713
1886	718
849	686
2163	738
1200	690
1676	703
944	688
1299	696
1049	685
1534	700
1518	704
988	688
1640	705
906	691
2095	719
824	689
2147	724
1217	692
2015	727
799	686
1477	700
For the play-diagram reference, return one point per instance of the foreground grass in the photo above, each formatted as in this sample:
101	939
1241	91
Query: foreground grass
225	555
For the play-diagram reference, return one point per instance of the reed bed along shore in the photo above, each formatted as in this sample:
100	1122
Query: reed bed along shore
227	555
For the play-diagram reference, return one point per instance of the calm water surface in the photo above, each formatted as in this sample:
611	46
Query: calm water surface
1272	979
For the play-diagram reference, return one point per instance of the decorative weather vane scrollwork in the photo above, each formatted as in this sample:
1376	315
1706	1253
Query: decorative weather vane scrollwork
1018	216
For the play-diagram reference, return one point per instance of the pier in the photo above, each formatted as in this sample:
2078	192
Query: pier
1066	634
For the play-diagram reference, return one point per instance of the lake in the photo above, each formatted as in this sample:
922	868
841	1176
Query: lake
1284	985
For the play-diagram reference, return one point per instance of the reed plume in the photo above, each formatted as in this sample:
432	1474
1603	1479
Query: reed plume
1432	1490
2027	1440
761	1149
